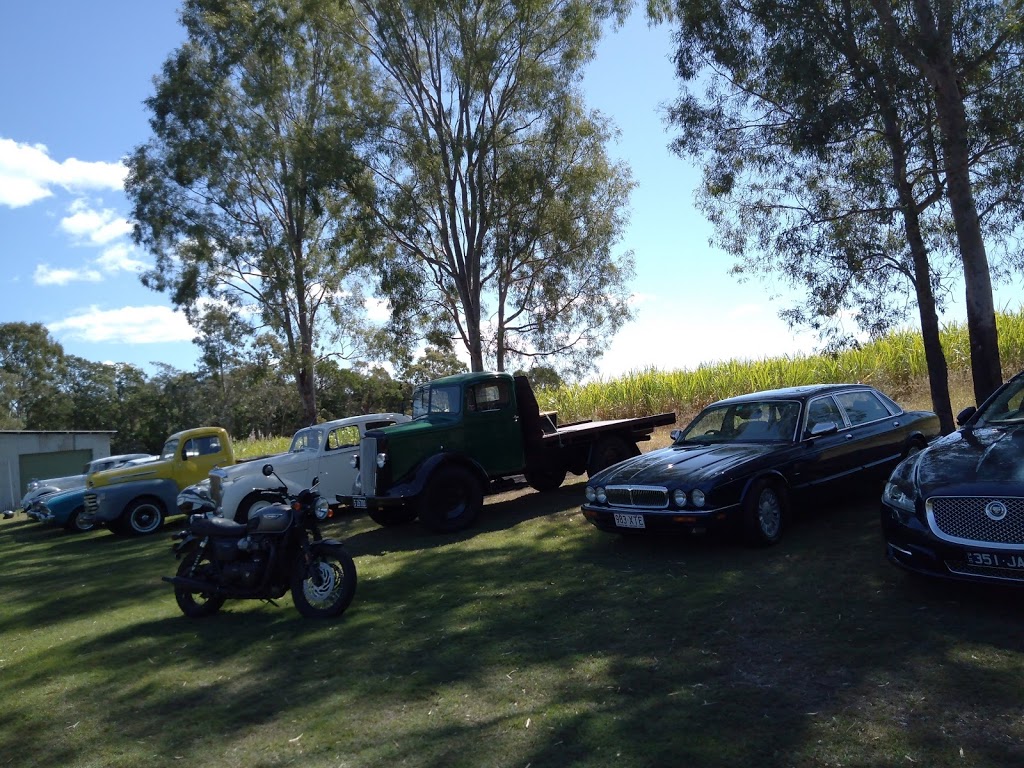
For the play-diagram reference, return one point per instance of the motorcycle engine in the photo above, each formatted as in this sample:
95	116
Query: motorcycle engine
245	573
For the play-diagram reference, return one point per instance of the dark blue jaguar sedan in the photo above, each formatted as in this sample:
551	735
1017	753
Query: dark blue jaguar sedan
744	461
956	510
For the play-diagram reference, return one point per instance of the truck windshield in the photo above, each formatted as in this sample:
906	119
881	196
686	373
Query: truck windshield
305	440
170	449
436	399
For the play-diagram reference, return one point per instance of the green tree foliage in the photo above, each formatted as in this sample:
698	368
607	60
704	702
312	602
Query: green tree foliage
247	193
31	366
823	160
495	189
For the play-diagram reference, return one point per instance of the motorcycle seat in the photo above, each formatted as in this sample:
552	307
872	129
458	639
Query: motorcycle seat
216	526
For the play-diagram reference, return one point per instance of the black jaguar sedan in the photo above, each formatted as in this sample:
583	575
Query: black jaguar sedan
956	510
744	461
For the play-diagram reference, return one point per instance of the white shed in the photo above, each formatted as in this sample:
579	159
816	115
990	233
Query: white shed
34	455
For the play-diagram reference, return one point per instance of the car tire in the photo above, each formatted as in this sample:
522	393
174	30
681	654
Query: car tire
74	523
254	502
143	517
451	500
764	513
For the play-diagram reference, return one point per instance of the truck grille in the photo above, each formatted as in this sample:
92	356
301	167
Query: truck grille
368	465
983	520
643	496
92	504
216	488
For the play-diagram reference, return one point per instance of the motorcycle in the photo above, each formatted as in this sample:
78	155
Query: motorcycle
280	548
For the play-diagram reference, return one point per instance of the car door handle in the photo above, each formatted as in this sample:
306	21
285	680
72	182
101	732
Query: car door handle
849	436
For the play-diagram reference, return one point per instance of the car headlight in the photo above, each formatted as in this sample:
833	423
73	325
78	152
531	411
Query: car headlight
590	493
382	459
602	497
697	497
899	491
679	497
354	461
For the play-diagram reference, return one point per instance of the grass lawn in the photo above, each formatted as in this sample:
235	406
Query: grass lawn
531	640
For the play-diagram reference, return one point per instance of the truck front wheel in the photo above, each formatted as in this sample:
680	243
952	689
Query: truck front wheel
143	517
451	501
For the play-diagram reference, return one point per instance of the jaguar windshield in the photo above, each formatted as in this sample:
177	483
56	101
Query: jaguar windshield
767	421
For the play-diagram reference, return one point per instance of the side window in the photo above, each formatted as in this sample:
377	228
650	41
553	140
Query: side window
491	396
202	446
862	407
343	437
824	410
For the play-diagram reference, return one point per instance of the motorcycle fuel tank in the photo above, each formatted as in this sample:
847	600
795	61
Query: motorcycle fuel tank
270	520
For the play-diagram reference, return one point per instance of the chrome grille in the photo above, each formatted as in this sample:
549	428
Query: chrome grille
216	488
92	504
368	465
962	520
643	496
1005	574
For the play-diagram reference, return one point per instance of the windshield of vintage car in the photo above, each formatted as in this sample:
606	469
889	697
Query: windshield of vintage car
772	421
1007	408
305	440
436	399
170	449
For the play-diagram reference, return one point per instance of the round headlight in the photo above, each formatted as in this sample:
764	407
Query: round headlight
602	497
382	459
354	461
679	497
697	497
323	509
591	493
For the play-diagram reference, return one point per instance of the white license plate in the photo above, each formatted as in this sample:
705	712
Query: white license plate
629	521
359	502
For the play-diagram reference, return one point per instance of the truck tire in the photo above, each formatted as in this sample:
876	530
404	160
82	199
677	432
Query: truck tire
608	451
451	500
544	480
392	517
143	516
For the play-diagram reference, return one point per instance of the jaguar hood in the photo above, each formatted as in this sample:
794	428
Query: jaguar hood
986	456
688	463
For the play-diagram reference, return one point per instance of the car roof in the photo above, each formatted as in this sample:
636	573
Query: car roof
805	392
350	420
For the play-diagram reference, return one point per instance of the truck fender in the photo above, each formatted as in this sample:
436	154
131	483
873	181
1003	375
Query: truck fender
414	486
116	498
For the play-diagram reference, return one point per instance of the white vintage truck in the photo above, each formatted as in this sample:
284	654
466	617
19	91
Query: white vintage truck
322	451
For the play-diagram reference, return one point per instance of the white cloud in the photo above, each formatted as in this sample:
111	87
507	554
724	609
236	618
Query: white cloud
128	325
377	310
86	224
47	275
28	174
120	257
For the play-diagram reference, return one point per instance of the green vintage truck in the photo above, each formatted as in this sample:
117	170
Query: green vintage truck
472	434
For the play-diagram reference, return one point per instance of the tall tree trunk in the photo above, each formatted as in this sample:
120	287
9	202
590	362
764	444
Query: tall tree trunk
986	369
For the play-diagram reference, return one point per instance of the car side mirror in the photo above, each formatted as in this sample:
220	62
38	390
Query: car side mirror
676	435
823	428
268	470
965	415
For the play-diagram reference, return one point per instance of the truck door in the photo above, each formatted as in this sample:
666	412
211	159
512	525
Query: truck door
198	456
491	427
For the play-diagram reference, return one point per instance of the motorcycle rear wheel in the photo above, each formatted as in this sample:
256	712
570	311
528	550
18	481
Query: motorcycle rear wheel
324	588
196	605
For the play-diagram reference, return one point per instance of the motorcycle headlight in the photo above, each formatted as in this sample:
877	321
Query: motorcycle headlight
322	510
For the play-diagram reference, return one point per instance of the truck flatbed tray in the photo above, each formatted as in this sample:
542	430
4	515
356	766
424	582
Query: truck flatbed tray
640	425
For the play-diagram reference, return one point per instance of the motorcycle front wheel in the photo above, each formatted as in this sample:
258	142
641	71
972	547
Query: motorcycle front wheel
325	587
196	605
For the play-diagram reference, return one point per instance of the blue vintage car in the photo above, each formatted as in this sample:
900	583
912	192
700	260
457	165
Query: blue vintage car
61	508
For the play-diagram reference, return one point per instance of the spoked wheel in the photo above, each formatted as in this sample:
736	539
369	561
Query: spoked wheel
325	587
196	605
764	509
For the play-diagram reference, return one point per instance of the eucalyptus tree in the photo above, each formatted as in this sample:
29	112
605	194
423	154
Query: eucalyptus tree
32	364
248	191
826	161
494	186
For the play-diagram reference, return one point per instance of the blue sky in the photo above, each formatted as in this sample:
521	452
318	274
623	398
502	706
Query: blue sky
76	75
